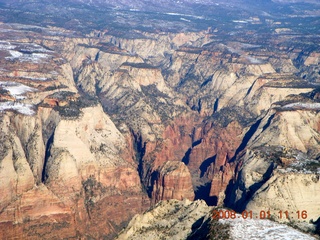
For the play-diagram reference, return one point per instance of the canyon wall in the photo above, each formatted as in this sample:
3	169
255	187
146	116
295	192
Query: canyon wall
102	127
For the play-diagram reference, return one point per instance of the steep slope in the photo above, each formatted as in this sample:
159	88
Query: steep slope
64	164
168	219
190	220
98	127
279	170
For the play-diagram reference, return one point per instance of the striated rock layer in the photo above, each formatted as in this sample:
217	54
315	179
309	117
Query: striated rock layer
103	126
190	220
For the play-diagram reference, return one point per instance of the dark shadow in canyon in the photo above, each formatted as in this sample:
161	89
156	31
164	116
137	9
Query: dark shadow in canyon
154	177
268	122
247	194
246	138
200	229
140	149
215	106
203	192
205	164
44	175
186	156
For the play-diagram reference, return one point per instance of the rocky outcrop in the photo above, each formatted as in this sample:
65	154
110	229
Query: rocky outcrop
93	167
76	179
171	218
172	181
292	192
192	220
278	164
100	126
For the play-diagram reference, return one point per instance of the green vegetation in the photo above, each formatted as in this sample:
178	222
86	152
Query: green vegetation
312	166
139	65
92	190
74	103
51	88
227	115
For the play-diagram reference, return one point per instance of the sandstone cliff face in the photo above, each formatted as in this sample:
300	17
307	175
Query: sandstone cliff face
171	218
172	181
222	88
87	171
101	127
82	171
153	47
64	165
194	222
293	191
280	163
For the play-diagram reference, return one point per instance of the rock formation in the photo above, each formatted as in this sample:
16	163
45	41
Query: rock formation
190	220
99	123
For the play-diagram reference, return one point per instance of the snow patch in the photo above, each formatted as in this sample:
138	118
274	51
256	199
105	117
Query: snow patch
33	57
253	60
184	19
17	90
23	26
249	58
6	45
15	54
184	15
26	109
248	45
35	78
243	229
32	47
239	21
311	106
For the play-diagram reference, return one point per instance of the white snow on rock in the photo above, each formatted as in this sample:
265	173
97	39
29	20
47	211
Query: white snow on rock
184	15
23	26
25	52
22	108
241	52
184	19
302	105
239	21
23	57
17	49
17	90
256	229
32	47
6	45
15	54
35	78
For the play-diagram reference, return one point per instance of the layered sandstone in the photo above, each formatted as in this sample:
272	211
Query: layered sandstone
280	163
172	181
101	125
171	218
292	192
192	220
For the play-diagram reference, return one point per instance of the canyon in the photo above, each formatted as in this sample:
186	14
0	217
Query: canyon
99	126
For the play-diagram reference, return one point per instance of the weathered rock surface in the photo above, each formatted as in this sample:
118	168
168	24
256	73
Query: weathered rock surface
96	128
190	220
172	181
168	219
280	169
293	191
242	229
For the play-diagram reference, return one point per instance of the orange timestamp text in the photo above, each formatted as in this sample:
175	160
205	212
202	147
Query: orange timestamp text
263	214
